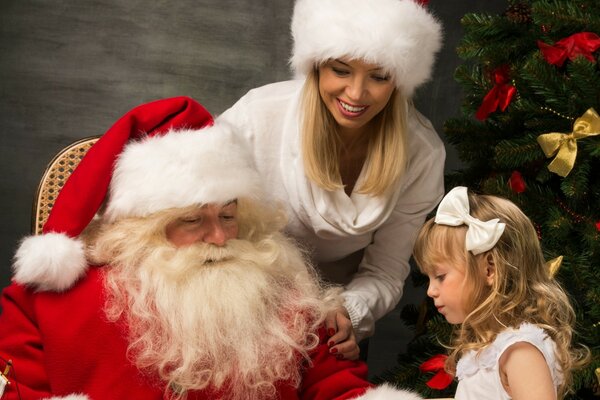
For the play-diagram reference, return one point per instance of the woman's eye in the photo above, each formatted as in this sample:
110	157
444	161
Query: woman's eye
190	220
228	217
381	78
339	72
440	277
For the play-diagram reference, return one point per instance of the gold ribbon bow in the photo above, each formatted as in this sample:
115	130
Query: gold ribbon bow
565	145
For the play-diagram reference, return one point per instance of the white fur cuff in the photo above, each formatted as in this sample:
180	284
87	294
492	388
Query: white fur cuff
388	392
69	397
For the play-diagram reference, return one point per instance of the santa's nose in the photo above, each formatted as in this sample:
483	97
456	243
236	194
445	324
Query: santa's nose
215	234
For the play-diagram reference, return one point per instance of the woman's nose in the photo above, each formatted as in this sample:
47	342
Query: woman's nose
356	88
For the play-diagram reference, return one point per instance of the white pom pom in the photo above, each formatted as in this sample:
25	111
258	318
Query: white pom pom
52	261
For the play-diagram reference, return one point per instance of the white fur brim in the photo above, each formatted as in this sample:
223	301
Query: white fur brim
52	261
180	169
399	35
388	392
69	397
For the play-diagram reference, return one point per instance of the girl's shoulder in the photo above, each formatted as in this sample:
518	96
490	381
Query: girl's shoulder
488	358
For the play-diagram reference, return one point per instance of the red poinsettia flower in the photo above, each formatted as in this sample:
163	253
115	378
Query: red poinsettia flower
598	226
516	182
441	380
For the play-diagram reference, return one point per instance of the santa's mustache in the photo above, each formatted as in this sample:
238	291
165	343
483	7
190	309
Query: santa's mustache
207	254
200	256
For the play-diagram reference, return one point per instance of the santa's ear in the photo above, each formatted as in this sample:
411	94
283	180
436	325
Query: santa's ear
490	269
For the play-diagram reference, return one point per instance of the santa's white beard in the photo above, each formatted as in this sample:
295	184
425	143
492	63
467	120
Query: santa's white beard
239	322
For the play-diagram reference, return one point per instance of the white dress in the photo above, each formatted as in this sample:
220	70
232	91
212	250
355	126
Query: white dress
479	375
361	241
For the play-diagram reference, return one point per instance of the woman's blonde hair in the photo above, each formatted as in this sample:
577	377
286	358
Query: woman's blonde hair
386	154
522	289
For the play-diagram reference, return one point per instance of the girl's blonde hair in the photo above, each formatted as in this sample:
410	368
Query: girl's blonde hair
522	288
321	145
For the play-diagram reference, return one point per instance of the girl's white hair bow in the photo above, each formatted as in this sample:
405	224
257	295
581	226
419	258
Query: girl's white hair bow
453	210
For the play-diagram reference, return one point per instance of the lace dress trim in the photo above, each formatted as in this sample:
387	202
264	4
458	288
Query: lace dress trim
488	358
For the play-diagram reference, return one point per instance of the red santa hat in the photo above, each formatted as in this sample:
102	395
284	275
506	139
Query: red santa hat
55	259
399	35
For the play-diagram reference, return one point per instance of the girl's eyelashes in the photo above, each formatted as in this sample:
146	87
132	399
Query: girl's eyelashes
440	277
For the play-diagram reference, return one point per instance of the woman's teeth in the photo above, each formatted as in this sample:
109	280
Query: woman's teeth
350	108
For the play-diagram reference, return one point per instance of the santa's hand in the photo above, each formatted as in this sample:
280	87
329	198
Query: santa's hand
341	341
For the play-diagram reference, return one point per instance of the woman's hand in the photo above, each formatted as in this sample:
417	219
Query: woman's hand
341	342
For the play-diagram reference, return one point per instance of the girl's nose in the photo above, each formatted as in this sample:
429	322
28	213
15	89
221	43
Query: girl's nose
431	290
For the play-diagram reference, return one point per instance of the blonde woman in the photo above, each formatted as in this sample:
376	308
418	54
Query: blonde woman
342	146
487	275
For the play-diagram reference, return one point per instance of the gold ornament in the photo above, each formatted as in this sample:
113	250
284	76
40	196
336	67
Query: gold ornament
565	145
554	265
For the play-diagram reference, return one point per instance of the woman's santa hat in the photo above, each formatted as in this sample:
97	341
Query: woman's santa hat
399	35
148	163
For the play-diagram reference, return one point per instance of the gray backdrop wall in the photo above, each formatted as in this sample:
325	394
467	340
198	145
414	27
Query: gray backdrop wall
70	68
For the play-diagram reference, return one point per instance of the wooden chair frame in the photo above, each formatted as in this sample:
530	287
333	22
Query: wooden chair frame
56	174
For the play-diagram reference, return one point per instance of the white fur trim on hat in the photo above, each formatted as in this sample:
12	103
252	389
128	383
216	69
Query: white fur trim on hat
388	392
52	261
399	35
180	169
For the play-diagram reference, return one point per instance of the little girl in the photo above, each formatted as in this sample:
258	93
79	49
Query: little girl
486	272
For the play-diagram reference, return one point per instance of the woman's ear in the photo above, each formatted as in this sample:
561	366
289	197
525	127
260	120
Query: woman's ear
490	269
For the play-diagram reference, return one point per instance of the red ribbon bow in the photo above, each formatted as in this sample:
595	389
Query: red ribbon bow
499	97
441	380
583	43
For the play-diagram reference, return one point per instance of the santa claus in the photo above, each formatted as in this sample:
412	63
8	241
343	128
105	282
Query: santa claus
187	290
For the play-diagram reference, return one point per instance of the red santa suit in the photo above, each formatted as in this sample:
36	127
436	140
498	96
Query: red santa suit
62	344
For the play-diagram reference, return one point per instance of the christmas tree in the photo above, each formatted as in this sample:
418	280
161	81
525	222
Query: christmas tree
530	132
